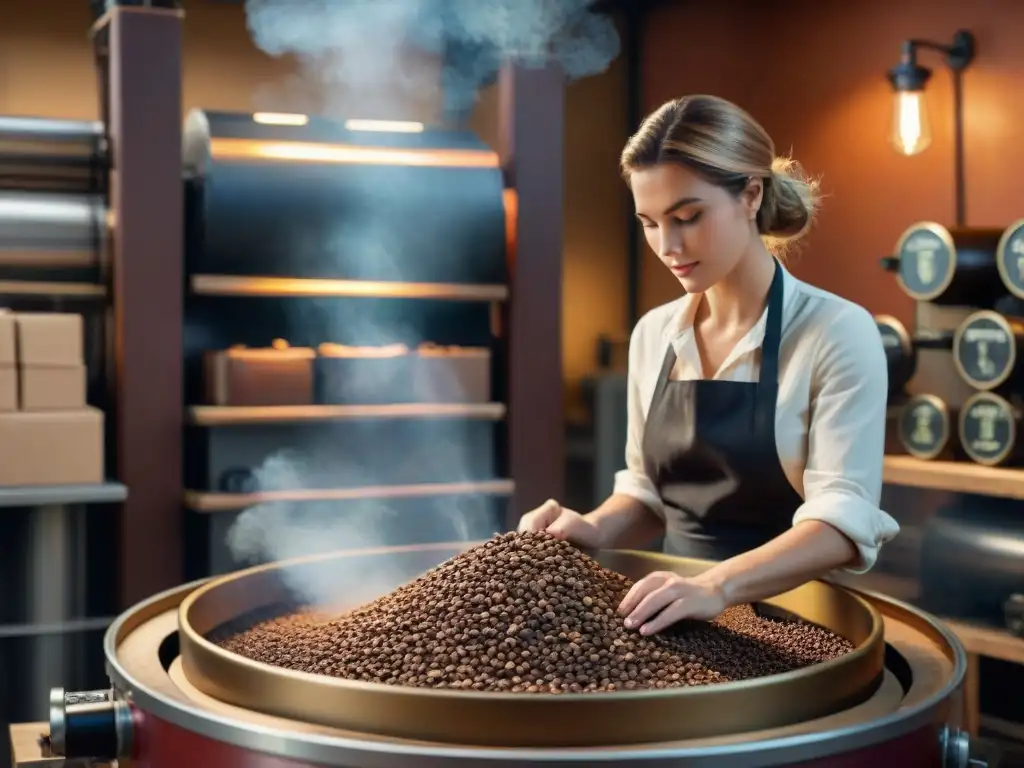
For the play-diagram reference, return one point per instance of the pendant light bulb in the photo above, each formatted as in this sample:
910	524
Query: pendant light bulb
911	128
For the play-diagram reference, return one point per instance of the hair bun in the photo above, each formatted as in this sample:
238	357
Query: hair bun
789	202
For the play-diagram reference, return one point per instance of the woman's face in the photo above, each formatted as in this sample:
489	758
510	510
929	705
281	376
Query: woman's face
698	230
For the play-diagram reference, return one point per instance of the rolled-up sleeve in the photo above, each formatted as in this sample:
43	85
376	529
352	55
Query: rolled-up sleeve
846	436
633	481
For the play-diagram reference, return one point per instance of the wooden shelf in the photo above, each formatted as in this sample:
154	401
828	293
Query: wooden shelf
212	501
241	285
54	288
954	476
226	416
989	642
61	495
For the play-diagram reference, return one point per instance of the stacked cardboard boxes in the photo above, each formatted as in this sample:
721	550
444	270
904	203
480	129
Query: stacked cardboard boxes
48	435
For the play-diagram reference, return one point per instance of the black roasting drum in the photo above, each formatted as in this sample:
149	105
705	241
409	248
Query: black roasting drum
925	427
949	266
988	429
972	562
322	199
985	350
1010	259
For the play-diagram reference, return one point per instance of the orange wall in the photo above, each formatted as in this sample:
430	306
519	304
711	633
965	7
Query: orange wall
814	75
46	70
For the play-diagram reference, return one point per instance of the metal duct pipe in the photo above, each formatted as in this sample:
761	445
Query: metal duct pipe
47	230
52	155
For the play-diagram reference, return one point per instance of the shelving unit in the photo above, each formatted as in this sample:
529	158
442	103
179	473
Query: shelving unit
431	284
54	289
231	502
61	495
235	285
954	477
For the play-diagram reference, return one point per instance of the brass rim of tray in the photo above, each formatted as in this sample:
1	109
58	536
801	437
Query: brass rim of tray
529	720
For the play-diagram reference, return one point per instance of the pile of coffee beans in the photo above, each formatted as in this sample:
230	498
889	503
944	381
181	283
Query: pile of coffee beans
525	612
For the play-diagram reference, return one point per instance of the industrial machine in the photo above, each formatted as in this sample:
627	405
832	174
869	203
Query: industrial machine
176	698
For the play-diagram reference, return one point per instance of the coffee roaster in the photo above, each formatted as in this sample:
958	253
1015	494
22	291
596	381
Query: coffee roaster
176	698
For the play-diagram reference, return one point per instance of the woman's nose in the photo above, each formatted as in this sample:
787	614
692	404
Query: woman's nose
671	244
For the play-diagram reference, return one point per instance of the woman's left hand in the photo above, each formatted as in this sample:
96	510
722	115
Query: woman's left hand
661	599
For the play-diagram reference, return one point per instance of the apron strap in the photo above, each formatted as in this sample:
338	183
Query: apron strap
768	382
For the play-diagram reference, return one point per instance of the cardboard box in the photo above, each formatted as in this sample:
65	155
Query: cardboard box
52	389
8	361
49	339
52	447
49	349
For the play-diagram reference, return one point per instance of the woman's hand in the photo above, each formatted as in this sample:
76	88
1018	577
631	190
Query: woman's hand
562	523
661	599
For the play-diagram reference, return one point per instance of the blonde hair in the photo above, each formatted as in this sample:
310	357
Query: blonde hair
728	147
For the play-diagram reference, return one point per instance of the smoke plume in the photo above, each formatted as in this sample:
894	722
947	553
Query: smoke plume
364	52
387	59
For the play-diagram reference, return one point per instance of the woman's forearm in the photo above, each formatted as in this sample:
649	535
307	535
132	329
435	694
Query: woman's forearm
625	523
807	551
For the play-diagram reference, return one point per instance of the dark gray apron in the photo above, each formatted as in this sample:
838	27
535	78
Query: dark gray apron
709	448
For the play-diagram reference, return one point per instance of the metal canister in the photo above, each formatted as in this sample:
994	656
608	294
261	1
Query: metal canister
1010	258
989	426
926	428
952	266
986	349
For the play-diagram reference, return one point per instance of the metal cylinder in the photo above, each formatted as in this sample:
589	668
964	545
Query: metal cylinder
1010	258
989	427
949	266
41	230
901	350
52	155
927	428
93	725
986	351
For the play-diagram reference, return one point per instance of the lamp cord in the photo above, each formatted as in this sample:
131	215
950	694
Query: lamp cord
959	178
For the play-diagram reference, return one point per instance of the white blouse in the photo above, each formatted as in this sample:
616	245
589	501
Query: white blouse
830	415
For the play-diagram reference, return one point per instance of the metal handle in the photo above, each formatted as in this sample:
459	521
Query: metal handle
90	725
890	263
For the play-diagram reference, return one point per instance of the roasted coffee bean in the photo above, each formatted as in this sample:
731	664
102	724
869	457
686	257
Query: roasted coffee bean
525	612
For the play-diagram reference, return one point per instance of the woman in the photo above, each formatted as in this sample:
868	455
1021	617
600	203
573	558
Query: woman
756	402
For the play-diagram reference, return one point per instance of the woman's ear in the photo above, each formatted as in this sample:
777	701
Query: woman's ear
752	197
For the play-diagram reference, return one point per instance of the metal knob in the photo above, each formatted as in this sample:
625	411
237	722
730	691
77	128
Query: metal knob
956	750
89	725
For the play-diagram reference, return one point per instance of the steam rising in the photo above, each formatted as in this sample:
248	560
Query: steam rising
364	51
387	59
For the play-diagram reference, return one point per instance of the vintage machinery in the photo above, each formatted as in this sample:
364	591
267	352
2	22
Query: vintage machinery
972	563
943	265
901	349
178	699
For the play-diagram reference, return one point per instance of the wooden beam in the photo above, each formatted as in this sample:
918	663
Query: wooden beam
144	120
532	113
